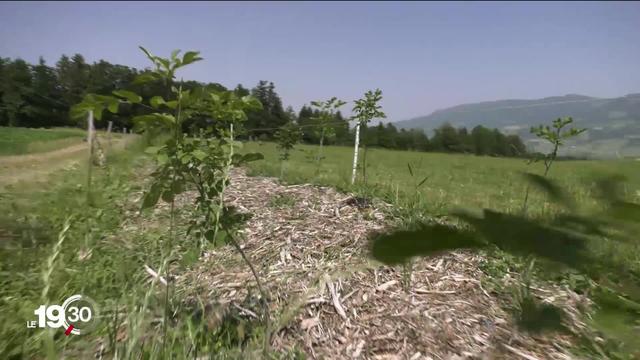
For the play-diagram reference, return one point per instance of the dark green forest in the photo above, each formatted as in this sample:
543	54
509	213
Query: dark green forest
41	96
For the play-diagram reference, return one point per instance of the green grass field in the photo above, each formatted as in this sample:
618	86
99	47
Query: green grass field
453	180
33	213
20	141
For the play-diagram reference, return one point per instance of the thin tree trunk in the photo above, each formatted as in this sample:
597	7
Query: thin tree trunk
355	155
90	143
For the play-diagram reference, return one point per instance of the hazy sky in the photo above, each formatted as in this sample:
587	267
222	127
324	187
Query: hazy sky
424	56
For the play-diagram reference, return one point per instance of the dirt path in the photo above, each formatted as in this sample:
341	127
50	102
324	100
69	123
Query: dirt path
33	167
330	300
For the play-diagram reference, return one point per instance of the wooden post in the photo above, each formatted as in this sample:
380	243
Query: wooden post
355	154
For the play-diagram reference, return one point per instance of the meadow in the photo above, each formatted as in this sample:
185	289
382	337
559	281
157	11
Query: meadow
109	240
452	180
20	141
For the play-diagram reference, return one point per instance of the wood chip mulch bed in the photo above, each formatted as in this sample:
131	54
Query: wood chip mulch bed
332	301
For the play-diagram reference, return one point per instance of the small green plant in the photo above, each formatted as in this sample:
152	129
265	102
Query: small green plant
365	110
282	201
203	162
326	115
555	135
287	137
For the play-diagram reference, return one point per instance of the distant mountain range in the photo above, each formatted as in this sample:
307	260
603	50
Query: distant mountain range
613	123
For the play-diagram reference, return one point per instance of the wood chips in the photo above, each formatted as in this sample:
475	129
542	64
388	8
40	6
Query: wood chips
331	300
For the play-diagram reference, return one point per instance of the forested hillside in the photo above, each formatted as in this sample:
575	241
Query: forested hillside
41	96
613	125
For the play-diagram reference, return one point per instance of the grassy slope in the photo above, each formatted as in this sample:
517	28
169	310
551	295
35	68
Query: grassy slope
18	141
453	180
31	215
116	260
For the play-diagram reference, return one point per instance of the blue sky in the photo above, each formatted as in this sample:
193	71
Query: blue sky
424	56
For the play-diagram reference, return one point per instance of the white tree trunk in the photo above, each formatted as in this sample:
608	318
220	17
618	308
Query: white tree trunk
90	131
355	155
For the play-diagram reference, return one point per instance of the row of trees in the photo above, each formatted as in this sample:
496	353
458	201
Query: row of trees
41	95
480	140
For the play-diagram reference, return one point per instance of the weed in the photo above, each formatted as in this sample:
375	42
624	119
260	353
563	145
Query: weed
280	201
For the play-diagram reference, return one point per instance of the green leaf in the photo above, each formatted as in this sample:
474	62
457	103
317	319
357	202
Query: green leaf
146	52
97	112
177	186
145	78
152	150
199	154
113	106
152	196
173	104
190	57
167	195
252	157
80	110
156	101
221	238
162	159
159	117
129	95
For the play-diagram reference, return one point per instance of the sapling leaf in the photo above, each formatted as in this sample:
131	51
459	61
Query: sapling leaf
190	57
145	78
152	196
152	150
252	157
129	95
156	101
113	106
97	112
146	52
167	195
199	154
